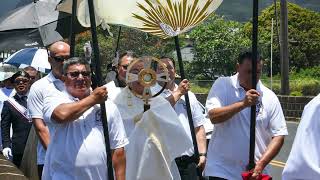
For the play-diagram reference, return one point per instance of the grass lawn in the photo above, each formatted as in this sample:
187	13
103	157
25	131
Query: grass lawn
298	86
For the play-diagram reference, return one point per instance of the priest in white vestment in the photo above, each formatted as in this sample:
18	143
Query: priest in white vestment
156	136
304	159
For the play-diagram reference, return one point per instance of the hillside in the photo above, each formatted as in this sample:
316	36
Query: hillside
241	10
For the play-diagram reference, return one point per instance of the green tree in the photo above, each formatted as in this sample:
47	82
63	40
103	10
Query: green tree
217	43
130	39
304	36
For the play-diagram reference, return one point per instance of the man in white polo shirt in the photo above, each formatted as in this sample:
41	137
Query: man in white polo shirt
77	147
228	104
303	161
58	52
185	162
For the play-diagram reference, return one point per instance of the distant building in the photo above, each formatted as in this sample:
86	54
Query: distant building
4	55
186	51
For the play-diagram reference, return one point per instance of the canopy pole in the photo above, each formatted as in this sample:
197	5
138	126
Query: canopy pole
118	41
99	82
193	135
251	164
72	38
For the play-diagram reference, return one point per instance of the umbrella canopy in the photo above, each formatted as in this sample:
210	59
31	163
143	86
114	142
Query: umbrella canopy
8	5
37	58
7	71
36	24
164	18
32	15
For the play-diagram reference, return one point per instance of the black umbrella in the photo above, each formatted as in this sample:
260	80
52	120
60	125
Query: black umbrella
34	25
9	5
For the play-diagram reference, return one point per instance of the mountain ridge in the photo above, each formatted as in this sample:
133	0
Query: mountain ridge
241	10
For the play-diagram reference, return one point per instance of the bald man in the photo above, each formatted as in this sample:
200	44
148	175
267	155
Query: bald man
57	53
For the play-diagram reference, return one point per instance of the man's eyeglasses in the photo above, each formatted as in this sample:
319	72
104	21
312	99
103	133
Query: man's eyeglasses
59	58
76	74
125	66
18	81
32	77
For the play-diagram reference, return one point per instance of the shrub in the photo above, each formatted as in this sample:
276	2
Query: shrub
305	86
313	72
198	89
276	88
312	88
296	93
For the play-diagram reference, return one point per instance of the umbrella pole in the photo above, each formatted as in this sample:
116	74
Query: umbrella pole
99	82
193	135
72	38
254	83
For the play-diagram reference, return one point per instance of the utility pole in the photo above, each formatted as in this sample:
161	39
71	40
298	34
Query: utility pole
284	50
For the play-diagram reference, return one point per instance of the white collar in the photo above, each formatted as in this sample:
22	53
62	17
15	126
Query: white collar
51	77
236	83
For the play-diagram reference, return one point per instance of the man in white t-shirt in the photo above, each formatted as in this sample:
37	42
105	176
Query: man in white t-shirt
303	161
186	162
58	52
77	147
228	104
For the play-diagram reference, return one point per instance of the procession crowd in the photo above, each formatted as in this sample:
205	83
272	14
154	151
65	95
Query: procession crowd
153	143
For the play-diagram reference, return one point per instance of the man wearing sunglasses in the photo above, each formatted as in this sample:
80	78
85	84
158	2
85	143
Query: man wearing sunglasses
77	150
119	82
57	53
14	114
124	61
8	87
33	74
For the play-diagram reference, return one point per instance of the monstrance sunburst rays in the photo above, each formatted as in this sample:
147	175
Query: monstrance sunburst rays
168	18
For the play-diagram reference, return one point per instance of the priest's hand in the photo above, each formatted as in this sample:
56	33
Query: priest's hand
99	95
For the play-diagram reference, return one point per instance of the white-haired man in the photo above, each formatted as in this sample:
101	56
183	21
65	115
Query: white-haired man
77	148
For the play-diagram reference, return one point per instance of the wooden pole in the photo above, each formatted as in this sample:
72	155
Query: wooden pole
182	74
118	41
251	164
99	82
72	38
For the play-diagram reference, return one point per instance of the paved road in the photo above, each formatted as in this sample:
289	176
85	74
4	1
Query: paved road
9	171
278	164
